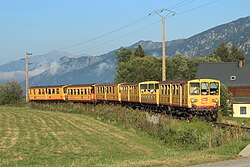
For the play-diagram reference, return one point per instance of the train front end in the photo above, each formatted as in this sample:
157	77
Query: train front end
204	97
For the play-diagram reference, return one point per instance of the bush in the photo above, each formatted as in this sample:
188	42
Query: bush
11	93
226	99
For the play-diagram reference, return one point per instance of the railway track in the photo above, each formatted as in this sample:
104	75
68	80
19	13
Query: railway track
225	125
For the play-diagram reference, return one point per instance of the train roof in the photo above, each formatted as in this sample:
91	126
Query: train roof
129	83
80	85
173	82
52	86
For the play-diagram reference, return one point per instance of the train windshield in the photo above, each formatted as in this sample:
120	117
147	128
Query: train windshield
143	86
214	88
204	88
194	88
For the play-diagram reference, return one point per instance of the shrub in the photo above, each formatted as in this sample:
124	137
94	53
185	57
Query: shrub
11	93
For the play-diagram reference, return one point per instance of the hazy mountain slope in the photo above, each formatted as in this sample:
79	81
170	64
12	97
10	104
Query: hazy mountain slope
200	45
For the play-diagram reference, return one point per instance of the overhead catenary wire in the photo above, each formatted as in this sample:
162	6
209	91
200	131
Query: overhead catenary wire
198	7
182	3
122	36
168	16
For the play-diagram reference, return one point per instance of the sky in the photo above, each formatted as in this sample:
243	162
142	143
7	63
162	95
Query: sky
95	27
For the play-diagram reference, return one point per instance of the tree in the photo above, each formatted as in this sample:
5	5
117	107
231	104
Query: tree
236	53
226	99
228	53
10	93
139	69
123	54
181	67
139	52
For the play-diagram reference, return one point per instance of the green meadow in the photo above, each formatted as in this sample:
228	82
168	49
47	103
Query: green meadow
32	137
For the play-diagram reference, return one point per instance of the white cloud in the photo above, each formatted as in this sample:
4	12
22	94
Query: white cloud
14	75
20	75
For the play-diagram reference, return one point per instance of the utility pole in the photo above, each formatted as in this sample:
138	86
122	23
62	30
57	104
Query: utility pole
163	38
27	75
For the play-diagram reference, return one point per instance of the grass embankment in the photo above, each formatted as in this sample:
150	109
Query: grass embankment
31	137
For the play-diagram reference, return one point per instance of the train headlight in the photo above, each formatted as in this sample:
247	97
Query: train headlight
192	100
216	100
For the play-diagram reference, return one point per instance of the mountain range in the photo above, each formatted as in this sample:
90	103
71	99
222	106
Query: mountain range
57	68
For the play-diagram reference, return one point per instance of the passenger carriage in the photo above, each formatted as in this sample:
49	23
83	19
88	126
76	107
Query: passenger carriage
48	93
129	93
108	93
81	93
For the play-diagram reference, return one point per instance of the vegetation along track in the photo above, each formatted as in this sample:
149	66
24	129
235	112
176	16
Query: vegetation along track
226	125
32	137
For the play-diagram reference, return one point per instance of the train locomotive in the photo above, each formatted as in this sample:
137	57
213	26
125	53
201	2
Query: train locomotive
196	97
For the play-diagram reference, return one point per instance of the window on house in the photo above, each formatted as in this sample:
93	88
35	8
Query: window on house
232	78
243	110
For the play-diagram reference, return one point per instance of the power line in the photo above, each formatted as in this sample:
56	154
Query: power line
186	11
198	7
125	35
106	34
182	3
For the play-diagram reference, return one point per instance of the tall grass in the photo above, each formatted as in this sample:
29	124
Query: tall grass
197	135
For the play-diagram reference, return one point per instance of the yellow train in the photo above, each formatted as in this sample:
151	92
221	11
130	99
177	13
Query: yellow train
187	98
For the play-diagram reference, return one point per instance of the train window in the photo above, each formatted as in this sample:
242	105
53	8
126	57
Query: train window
30	92
65	90
177	90
43	92
162	89
173	89
81	91
85	91
156	86
53	91
214	88
194	88
204	88
71	91
78	91
182	90
74	91
57	91
49	91
151	86
143	86
168	90
39	91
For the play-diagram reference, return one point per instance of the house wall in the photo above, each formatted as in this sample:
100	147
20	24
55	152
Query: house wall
238	108
240	91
